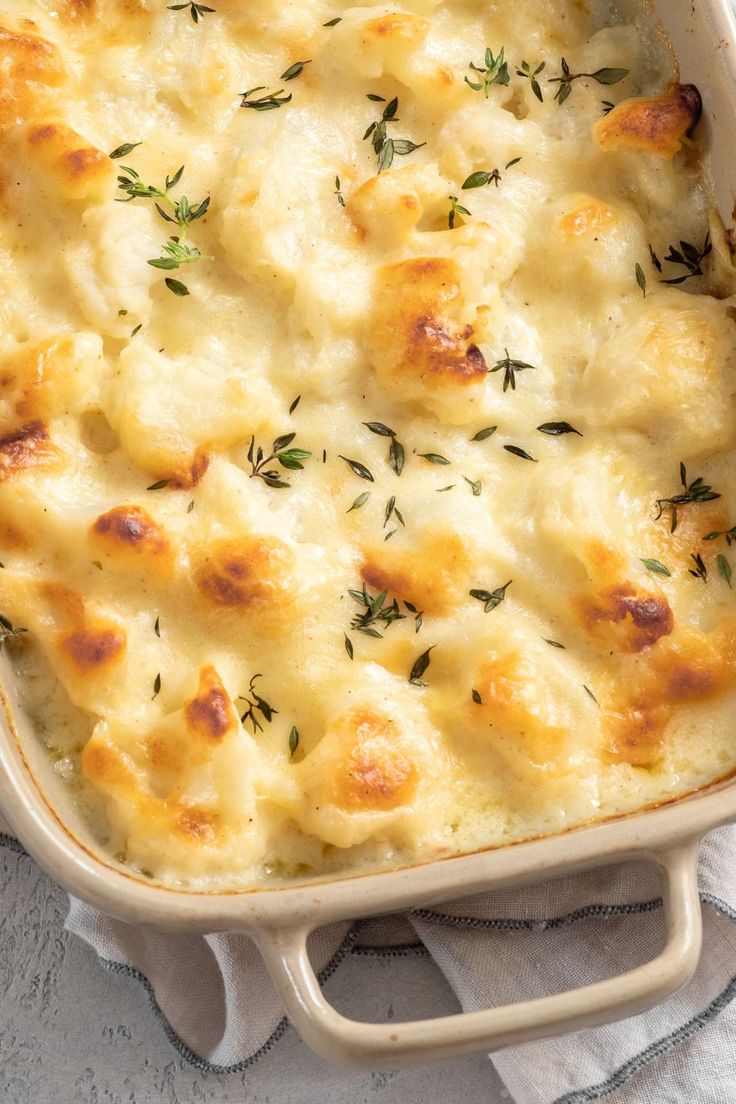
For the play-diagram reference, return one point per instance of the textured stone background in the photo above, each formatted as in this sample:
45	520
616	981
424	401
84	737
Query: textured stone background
71	1033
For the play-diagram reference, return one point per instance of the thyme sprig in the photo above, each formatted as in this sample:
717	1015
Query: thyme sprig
255	704
376	614
8	631
510	367
697	491
291	459
690	257
494	70
699	570
384	147
482	178
269	102
197	11
531	75
180	212
565	80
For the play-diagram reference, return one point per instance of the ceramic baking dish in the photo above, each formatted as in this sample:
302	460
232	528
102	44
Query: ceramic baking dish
703	34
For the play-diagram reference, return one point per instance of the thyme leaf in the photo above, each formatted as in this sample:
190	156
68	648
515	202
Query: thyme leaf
358	468
294	70
433	458
293	741
657	567
724	569
557	429
515	450
359	501
124	150
420	666
641	279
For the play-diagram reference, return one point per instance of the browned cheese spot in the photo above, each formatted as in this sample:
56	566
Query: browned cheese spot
190	477
24	448
685	669
244	573
433	577
651	125
130	529
91	649
104	765
210	715
375	774
198	824
76	167
627	619
415	334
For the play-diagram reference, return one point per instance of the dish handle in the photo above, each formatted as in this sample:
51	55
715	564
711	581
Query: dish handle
391	1045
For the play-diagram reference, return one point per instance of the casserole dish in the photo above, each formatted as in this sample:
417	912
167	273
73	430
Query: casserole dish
280	920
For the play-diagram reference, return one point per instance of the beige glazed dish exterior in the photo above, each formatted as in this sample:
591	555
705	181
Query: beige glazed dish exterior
703	34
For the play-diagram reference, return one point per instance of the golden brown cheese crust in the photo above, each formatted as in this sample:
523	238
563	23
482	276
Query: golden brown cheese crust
248	575
417	344
651	125
26	448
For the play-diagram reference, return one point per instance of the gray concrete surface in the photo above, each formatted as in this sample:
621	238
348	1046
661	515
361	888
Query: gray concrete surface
71	1033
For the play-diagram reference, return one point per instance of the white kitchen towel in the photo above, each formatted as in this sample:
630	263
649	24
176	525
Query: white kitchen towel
221	1012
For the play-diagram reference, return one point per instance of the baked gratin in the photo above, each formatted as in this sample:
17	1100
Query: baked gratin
366	423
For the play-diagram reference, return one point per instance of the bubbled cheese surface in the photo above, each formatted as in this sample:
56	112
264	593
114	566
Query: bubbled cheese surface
192	658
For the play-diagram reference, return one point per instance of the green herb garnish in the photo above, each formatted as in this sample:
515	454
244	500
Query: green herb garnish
656	567
289	458
384	147
697	491
255	704
510	367
376	614
197	11
491	598
531	75
565	81
269	102
494	70
420	666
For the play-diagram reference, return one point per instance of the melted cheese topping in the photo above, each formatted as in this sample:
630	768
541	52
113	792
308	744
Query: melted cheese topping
161	578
